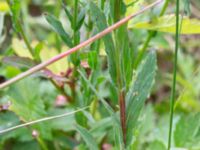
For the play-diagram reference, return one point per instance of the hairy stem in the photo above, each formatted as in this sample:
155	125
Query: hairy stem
76	48
173	94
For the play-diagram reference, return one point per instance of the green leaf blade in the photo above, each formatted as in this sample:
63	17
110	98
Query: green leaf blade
167	24
91	143
15	10
28	104
58	27
99	19
157	145
139	92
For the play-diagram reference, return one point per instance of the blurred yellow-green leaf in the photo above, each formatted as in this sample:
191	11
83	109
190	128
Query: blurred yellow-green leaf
4	7
167	24
134	6
45	54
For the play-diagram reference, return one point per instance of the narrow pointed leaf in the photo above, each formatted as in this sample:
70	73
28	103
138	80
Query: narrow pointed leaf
15	10
126	55
99	19
68	15
58	27
139	92
87	137
81	18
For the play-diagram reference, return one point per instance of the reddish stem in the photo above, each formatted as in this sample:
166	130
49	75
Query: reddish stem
123	114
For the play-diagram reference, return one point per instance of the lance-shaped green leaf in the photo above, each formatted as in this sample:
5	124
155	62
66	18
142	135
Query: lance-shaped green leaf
58	27
87	137
15	10
168	23
99	19
80	19
68	14
126	55
138	93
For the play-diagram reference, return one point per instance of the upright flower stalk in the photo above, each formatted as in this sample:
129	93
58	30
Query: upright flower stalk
173	94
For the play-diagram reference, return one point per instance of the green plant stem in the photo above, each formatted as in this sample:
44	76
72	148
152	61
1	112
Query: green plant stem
117	10
23	34
142	51
121	92
61	90
150	36
42	143
75	42
75	21
164	7
172	100
76	48
41	120
102	4
25	39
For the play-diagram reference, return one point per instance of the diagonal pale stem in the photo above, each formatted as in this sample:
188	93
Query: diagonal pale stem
76	48
41	120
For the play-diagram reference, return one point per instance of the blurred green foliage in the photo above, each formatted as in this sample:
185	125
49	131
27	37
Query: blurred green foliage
34	31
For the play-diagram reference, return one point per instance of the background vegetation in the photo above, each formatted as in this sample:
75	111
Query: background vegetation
112	94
